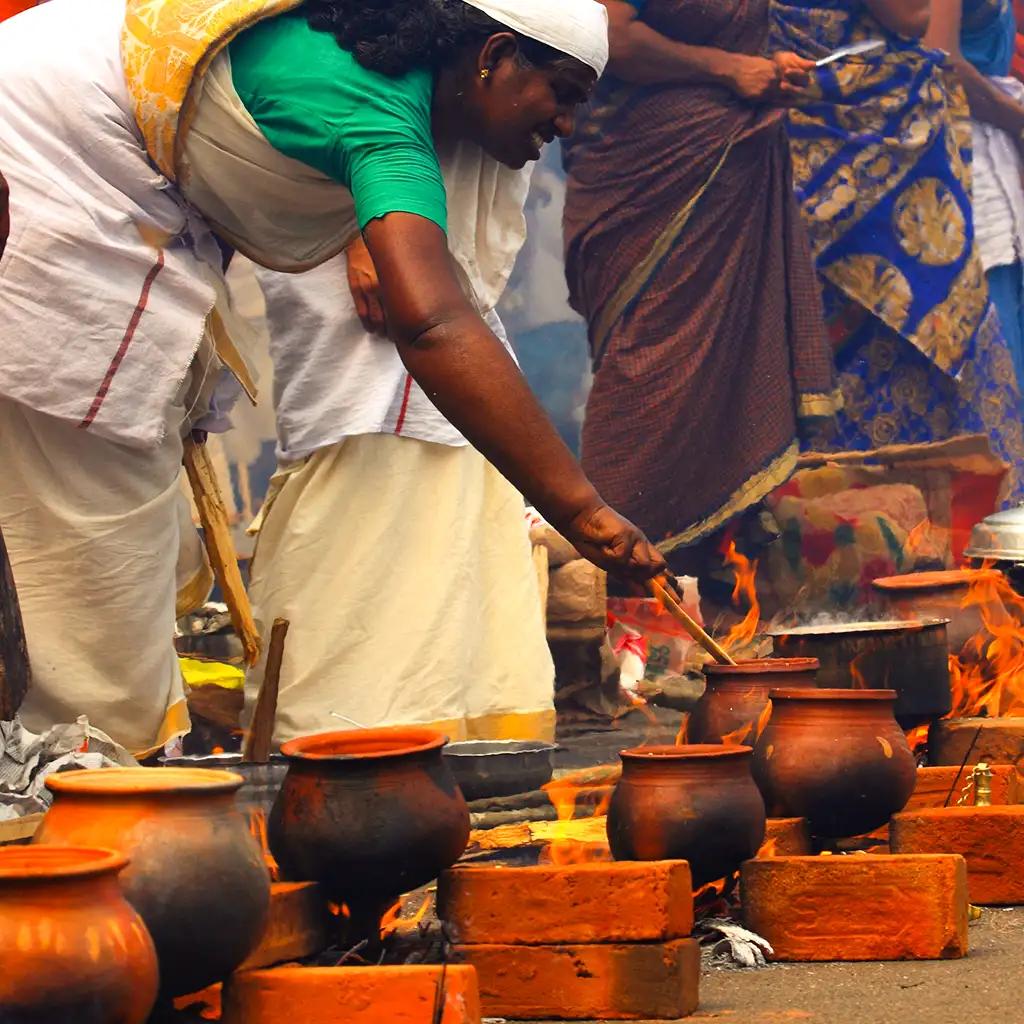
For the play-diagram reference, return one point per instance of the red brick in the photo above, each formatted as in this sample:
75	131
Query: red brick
637	981
858	907
298	925
993	740
935	783
625	901
990	839
351	995
785	837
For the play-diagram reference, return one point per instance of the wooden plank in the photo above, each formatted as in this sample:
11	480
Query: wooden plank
221	546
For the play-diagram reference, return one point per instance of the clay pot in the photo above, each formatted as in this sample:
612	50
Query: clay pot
71	947
697	803
737	695
836	758
196	875
936	595
369	814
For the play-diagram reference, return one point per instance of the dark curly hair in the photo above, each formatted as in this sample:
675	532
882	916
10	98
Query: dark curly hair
396	36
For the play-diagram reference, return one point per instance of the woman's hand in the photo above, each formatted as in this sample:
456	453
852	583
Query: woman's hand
614	543
754	79
780	79
365	287
794	74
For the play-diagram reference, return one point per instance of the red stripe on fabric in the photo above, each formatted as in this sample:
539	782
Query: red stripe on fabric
405	404
115	363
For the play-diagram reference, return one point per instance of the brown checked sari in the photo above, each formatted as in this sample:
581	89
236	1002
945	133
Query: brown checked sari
686	255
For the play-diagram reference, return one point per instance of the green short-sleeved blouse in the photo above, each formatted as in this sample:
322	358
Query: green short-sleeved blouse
314	102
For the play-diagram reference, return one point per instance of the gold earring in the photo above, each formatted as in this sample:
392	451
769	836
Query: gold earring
485	73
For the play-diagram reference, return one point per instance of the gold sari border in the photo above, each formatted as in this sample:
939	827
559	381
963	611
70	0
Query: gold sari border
762	483
816	405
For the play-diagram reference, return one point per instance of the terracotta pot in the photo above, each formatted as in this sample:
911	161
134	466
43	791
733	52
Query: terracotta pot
911	658
835	757
936	595
369	814
71	947
737	695
196	875
697	803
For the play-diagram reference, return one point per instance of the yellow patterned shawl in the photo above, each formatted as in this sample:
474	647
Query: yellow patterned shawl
166	48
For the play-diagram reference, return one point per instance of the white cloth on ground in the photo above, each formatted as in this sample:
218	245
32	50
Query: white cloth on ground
998	195
417	557
27	758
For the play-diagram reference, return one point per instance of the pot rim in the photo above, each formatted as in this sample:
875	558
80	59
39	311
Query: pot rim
759	666
842	629
936	579
364	744
685	752
133	782
40	862
825	693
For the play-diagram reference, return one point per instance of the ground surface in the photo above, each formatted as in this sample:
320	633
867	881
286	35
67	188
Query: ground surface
985	988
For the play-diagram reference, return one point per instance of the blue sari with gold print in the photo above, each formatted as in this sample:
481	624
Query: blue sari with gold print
881	170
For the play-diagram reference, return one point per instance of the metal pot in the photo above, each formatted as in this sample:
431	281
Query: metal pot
999	537
910	657
262	780
490	768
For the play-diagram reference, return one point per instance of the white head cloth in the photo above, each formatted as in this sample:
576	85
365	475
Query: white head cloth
576	27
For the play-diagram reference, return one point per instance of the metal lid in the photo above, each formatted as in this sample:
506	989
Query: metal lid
999	537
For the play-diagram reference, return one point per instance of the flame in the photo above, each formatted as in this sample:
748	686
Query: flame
564	850
392	923
258	828
207	1003
987	677
744	592
684	726
768	847
917	738
747	735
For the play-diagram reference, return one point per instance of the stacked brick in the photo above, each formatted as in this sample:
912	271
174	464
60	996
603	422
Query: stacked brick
601	941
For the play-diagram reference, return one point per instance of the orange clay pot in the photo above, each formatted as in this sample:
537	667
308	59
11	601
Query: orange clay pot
197	876
369	814
71	947
836	758
697	803
737	695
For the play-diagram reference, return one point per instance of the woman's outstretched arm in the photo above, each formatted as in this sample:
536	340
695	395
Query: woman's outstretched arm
470	377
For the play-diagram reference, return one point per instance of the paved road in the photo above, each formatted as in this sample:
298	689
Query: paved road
986	987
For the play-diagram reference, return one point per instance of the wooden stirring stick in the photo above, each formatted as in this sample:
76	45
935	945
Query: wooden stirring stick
261	729
220	546
661	591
